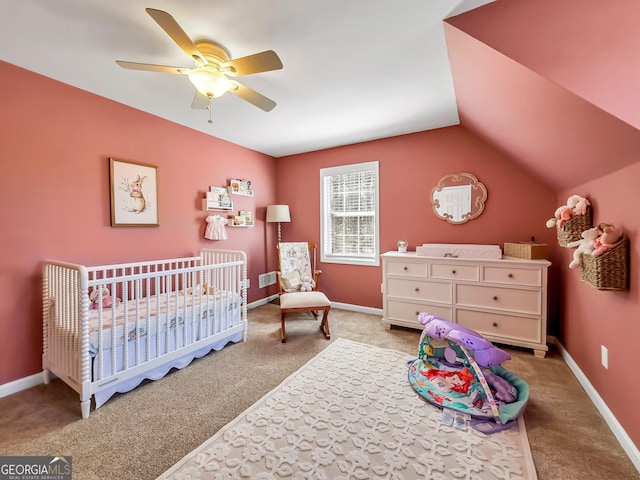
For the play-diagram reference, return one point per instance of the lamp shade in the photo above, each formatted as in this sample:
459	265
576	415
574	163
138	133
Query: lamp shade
209	81
278	213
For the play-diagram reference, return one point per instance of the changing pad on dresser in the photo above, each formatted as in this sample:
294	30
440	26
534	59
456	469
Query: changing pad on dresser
459	250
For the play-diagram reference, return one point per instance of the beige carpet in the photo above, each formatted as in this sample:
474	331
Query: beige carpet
141	434
351	413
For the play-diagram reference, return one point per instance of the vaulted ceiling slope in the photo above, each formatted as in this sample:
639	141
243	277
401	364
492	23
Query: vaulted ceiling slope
552	84
353	71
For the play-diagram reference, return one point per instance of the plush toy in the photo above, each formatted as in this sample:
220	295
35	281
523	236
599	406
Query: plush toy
606	240
202	289
107	299
561	215
307	284
584	245
578	204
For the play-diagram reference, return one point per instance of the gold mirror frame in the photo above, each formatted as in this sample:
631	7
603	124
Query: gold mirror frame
478	196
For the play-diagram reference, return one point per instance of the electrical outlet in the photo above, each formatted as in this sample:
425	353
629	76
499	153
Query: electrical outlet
605	356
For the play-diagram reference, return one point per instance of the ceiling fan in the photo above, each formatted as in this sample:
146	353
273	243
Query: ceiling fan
213	67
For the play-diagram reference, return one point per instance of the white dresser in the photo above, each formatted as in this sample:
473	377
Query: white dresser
505	300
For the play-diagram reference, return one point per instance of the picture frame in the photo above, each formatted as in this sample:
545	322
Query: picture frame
134	194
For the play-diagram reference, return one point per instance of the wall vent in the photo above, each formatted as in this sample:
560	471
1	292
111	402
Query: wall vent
267	279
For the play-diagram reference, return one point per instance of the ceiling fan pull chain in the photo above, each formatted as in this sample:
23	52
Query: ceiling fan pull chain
209	108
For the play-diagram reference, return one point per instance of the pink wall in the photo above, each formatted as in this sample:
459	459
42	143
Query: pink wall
55	141
410	166
591	318
588	47
560	137
558	92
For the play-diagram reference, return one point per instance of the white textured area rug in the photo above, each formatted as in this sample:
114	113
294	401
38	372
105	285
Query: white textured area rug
350	413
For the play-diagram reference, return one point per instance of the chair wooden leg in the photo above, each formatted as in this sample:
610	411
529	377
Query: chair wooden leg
283	333
325	324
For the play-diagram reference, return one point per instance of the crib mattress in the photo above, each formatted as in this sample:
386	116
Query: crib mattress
155	313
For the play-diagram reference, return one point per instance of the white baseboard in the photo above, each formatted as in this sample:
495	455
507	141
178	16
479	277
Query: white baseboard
357	308
262	301
625	441
21	384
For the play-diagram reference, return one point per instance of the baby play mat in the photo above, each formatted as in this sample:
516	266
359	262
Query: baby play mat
458	369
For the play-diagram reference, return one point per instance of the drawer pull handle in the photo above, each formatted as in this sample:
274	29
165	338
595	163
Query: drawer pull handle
495	298
453	271
495	324
417	289
406	268
417	313
510	275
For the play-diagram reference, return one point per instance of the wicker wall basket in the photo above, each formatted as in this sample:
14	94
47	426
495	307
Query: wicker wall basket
573	228
609	271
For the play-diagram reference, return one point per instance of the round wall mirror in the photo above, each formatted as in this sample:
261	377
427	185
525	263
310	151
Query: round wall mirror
458	197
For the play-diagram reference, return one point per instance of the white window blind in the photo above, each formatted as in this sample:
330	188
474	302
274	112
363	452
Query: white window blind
349	214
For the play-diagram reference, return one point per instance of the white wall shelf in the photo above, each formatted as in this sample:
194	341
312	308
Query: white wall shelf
210	206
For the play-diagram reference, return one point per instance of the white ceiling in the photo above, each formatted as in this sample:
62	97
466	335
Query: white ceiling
354	70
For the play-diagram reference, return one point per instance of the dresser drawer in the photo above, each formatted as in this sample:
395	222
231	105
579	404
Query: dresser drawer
419	290
410	311
505	326
454	272
512	299
413	269
513	276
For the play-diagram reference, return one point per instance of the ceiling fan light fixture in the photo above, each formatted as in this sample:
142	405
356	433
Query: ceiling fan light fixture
209	81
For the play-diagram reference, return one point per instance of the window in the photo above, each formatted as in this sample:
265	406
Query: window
349	214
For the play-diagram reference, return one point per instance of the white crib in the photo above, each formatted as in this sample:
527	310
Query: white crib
107	328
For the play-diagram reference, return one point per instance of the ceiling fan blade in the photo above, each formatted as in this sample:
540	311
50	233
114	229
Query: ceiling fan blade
256	63
252	96
200	101
174	30
152	68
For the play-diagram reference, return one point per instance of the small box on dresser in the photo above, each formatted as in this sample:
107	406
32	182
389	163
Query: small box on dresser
528	250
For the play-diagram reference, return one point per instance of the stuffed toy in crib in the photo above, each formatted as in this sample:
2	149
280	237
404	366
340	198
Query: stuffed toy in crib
458	369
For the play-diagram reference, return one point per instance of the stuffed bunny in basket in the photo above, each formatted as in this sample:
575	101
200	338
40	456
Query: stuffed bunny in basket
585	245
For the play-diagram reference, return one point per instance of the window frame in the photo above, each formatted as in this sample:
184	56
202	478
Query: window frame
325	230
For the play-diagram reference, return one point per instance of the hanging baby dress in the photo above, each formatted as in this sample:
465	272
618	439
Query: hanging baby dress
215	228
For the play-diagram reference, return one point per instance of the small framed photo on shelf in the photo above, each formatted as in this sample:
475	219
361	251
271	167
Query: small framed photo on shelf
237	221
241	187
248	217
217	197
243	219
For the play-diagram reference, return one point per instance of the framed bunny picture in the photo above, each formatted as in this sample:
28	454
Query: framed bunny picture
134	194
